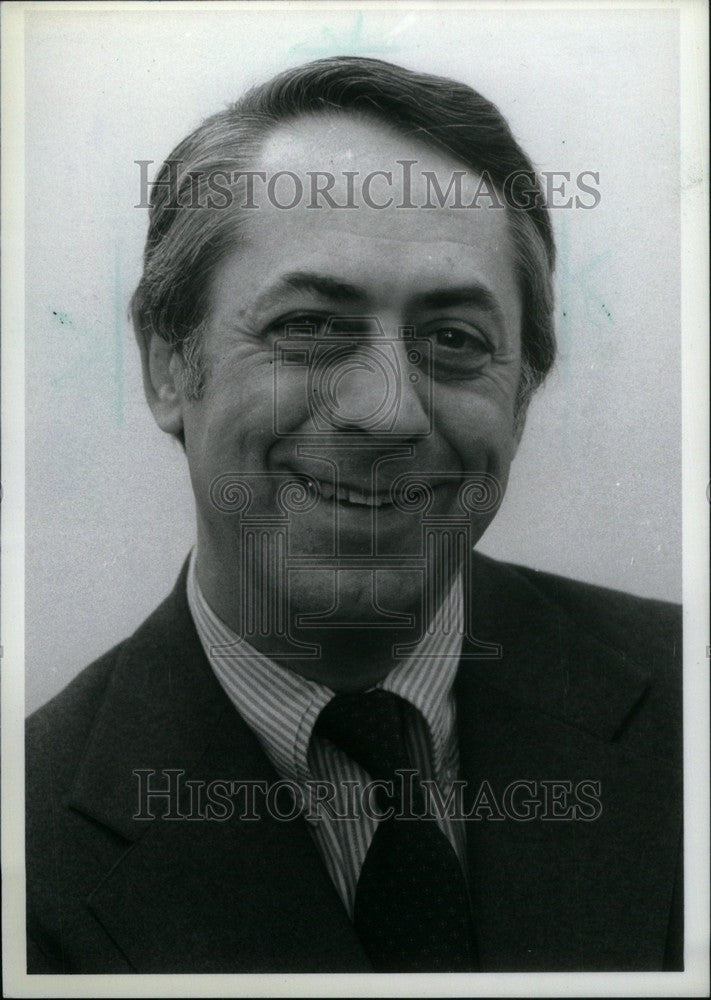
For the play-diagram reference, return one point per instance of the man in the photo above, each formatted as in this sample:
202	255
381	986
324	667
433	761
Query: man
345	742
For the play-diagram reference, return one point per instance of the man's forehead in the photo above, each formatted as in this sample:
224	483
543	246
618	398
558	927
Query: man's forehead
377	264
351	147
310	140
391	254
393	204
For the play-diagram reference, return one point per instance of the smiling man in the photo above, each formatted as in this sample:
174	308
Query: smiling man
345	741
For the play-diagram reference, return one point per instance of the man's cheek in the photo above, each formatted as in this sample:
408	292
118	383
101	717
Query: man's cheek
238	407
292	401
477	432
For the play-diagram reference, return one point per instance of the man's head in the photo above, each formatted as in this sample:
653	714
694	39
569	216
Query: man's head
224	285
184	245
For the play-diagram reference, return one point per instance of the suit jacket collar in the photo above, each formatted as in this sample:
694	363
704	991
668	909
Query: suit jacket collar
203	896
161	707
559	894
164	702
165	709
545	659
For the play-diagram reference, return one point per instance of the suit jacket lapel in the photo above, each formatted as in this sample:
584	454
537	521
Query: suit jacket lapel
253	895
555	893
218	895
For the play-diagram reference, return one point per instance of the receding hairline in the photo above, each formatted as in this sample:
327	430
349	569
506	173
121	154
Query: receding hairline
418	106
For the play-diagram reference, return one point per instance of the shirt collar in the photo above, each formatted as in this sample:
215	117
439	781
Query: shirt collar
281	706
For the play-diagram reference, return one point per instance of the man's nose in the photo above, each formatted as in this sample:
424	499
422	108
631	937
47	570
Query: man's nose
377	389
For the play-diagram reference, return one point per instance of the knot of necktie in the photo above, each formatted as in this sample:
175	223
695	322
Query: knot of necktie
370	728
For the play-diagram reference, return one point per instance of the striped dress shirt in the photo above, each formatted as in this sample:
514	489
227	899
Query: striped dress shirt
281	707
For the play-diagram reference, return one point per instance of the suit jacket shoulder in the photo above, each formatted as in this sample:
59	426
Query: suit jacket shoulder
110	891
639	631
70	713
616	614
579	685
55	738
586	685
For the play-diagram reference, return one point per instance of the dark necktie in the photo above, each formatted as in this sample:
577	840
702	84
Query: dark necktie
411	908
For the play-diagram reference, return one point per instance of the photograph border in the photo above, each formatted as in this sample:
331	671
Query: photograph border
695	504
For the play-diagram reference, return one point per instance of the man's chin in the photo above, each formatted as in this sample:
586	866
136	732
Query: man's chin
356	598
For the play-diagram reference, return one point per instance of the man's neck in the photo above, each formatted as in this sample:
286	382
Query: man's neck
345	658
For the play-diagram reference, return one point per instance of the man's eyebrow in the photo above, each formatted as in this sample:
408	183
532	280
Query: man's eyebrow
459	295
320	284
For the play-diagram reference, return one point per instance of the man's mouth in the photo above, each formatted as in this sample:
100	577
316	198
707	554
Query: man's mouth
350	495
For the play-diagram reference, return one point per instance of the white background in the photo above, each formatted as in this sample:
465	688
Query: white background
595	489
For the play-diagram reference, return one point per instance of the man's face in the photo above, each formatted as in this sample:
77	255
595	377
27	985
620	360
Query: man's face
449	273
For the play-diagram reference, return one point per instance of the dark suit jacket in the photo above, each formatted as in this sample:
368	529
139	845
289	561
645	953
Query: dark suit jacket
588	688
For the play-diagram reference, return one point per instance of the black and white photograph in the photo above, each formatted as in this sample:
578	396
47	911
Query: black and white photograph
355	499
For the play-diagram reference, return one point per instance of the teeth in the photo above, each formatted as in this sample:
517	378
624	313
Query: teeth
348	494
365	499
355	496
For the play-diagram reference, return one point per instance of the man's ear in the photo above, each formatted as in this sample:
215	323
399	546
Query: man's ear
162	369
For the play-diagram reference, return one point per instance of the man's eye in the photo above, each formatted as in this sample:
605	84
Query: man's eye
458	348
450	336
